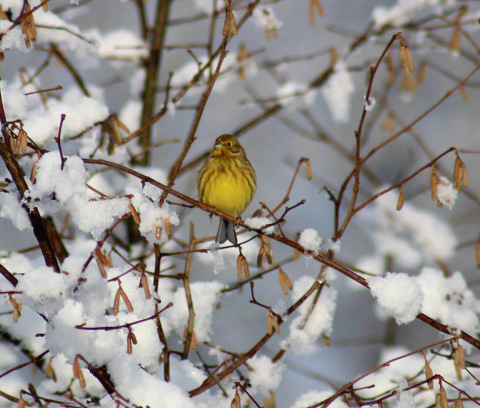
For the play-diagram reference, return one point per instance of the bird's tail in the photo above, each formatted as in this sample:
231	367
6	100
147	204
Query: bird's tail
226	231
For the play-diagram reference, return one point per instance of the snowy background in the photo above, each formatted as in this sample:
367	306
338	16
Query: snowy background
423	257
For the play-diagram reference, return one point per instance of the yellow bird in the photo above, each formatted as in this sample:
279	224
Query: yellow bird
227	182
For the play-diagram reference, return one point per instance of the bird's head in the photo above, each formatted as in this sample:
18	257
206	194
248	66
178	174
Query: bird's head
227	145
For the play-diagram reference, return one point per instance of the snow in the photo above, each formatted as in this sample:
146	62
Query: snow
412	237
265	375
259	222
13	38
146	202
141	388
399	295
314	397
11	208
447	194
334	245
14	100
449	300
338	91
295	95
310	241
264	17
121	44
402	11
81	112
319	322
370	104
93	215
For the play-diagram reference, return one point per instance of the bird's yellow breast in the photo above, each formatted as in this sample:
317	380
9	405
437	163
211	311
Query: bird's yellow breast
227	193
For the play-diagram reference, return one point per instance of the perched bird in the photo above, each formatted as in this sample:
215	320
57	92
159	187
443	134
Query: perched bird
227	182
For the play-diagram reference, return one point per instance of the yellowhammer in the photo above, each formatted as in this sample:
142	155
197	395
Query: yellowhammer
227	182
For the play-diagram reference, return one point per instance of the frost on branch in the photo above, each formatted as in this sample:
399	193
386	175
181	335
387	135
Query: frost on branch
399	295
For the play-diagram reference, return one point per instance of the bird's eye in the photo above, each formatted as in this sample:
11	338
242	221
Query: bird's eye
229	144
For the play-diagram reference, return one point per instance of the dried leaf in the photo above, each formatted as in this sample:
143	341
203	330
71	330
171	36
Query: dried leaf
308	170
443	397
167	226
261	254
126	300
23	139
464	175
455	41
239	267
146	288
270	401
401	198
315	4
270	327
433	183
135	214
116	302
403	60
101	268
246	268
428	374
421	74
129	344
21	402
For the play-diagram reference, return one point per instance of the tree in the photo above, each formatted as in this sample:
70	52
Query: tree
123	299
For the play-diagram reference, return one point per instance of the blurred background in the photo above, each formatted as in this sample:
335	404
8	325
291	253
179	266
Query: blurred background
304	126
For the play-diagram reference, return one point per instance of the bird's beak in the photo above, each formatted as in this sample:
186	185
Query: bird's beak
217	145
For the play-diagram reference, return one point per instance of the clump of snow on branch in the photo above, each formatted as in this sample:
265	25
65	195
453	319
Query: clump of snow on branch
398	294
447	194
405	398
314	397
338	92
402	11
56	189
264	16
295	95
303	334
259	222
81	113
265	375
11	208
449	300
218	261
50	27
412	236
144	389
152	217
205	297
370	104
385	378
121	44
12	38
310	241
333	245
14	100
